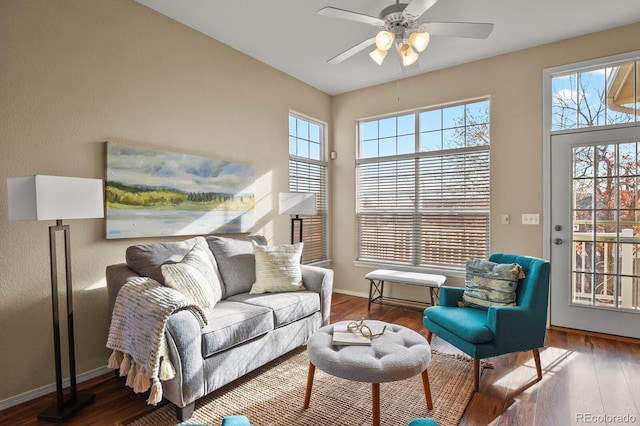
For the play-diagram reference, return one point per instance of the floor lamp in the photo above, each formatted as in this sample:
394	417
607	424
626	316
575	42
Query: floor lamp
56	198
298	203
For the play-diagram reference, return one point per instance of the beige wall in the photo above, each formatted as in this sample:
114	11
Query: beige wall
77	73
514	84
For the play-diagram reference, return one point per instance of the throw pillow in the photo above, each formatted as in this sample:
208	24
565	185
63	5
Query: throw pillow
146	259
491	284
195	276
236	261
278	269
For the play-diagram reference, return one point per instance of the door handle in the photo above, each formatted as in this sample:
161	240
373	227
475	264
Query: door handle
557	241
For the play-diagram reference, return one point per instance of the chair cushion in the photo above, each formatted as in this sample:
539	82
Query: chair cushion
469	324
236	261
277	269
287	307
195	276
232	323
489	283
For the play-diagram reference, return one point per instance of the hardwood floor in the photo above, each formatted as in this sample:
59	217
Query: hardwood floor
584	376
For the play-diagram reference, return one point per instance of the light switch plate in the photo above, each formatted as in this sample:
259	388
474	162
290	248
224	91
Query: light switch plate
530	219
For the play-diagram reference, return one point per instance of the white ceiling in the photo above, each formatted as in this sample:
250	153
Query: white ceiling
289	36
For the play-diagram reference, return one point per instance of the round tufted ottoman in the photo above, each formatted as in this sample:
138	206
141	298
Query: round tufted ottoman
397	354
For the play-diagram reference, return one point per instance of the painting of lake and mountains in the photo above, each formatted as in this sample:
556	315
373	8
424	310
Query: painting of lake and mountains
152	193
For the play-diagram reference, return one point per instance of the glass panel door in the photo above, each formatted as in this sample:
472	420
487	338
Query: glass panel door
595	219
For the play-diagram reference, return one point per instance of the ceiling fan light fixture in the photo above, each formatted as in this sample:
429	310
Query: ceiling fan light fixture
408	55
419	40
378	56
384	40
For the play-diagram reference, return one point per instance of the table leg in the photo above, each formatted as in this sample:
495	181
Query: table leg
427	389
375	396
307	394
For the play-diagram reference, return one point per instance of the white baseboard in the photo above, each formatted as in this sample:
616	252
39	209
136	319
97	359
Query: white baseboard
45	390
351	293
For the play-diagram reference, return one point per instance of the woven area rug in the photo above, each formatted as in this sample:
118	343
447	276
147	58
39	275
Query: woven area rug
274	394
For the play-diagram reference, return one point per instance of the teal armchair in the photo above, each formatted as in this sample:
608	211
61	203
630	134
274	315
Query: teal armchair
498	330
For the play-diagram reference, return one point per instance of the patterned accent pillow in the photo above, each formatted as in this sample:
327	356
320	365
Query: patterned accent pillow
278	269
491	284
195	276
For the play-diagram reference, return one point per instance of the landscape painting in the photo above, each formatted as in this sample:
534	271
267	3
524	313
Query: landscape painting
153	193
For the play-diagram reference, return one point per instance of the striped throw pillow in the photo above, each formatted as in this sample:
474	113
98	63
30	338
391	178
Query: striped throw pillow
278	269
195	276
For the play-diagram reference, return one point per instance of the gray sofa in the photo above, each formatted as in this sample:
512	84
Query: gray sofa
244	331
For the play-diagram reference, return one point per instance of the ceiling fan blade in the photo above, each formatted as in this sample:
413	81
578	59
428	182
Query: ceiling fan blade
457	29
416	8
334	12
351	51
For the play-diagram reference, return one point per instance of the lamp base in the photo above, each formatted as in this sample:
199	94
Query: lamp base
69	408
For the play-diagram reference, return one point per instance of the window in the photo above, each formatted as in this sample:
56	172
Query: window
600	96
308	173
423	187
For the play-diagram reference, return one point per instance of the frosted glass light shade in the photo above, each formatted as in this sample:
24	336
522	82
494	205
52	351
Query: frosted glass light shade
378	56
419	41
408	55
384	40
41	197
298	203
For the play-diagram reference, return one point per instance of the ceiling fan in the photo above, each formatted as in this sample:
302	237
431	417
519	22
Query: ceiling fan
399	23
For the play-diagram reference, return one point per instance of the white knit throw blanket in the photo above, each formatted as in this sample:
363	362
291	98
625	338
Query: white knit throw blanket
137	333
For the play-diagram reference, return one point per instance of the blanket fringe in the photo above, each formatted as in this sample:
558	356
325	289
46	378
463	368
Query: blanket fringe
131	376
155	395
167	371
115	359
141	383
125	366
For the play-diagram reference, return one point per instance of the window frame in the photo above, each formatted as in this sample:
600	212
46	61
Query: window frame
307	174
418	211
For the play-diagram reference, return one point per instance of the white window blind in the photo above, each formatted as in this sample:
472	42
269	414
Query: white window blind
428	208
308	173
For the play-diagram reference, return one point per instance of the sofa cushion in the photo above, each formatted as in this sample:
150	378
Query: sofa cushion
278	269
232	323
491	284
146	259
286	307
236	261
195	276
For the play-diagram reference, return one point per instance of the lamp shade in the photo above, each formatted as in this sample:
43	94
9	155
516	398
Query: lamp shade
419	41
384	40
408	55
298	203
378	56
41	197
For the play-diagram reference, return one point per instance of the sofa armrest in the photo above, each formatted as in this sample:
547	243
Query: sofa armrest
450	296
184	340
319	280
117	275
